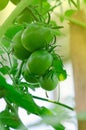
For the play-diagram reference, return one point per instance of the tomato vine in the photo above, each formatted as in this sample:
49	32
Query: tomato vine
28	58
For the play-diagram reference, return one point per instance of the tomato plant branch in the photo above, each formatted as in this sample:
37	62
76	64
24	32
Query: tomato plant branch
55	102
82	24
17	76
22	5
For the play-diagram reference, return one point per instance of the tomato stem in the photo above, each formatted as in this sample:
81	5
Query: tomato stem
22	5
55	102
19	72
79	23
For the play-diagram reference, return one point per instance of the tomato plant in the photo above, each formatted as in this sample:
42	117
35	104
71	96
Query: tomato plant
28	58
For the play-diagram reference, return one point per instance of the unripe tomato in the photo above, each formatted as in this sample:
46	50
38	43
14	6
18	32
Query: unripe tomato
28	76
19	51
49	81
36	36
39	61
3	4
15	1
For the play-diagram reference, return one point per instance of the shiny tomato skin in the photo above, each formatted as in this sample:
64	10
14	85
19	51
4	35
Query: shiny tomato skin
18	50
39	61
28	76
36	36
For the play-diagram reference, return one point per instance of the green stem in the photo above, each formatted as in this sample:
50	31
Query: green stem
19	72
82	24
78	4
55	102
22	5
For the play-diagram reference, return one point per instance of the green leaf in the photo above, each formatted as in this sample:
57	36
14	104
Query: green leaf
69	13
57	63
59	68
13	30
9	119
4	70
59	127
14	68
5	42
20	99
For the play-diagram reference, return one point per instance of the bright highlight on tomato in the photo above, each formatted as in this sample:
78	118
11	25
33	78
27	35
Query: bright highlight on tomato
36	36
39	61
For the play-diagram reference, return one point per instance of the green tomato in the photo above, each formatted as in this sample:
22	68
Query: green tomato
36	36
28	76
15	1
3	4
39	61
49	81
19	51
24	17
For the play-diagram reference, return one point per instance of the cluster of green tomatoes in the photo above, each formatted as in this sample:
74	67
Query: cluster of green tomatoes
30	45
34	46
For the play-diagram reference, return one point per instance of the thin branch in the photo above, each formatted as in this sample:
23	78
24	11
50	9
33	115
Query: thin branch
55	102
81	24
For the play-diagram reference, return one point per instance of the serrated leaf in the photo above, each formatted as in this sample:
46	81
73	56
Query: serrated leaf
4	70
